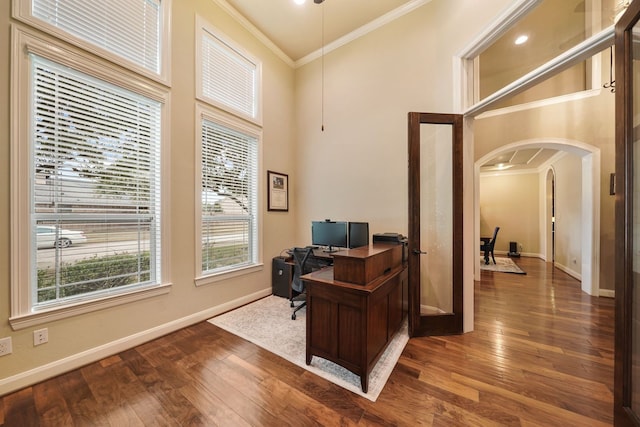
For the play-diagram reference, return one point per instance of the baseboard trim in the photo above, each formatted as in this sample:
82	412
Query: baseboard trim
569	271
522	254
50	370
607	293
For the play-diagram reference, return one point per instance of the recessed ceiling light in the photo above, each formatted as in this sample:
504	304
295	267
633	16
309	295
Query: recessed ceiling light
522	39
503	166
299	1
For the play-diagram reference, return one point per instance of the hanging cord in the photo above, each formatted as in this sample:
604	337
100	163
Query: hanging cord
322	77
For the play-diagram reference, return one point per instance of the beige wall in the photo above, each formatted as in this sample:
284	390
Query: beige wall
511	202
568	235
357	168
120	327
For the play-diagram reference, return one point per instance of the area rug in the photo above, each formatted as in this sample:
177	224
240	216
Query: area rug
503	265
267	323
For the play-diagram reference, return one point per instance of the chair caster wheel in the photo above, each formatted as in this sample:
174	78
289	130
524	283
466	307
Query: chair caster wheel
292	304
293	316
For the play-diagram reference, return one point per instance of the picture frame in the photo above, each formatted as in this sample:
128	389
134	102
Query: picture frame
277	191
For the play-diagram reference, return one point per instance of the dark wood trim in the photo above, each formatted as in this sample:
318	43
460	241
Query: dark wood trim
623	415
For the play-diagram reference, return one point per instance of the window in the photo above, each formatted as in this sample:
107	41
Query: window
227	77
560	53
136	30
228	158
86	174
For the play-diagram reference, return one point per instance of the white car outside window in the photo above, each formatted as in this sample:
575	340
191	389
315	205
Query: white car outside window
51	237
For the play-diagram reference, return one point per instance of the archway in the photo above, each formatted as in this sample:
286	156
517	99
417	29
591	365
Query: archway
590	229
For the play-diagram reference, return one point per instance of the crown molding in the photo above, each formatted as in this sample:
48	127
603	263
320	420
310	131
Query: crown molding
255	31
498	27
365	29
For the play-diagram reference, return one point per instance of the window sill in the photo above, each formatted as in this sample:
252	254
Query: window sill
46	316
218	277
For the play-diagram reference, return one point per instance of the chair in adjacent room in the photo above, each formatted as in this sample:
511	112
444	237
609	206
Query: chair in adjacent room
487	246
302	267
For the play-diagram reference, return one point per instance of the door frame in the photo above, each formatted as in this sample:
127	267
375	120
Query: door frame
624	275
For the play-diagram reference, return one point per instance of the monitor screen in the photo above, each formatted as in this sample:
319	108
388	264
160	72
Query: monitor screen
329	233
358	234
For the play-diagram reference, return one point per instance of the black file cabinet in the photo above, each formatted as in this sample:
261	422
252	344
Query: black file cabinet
281	276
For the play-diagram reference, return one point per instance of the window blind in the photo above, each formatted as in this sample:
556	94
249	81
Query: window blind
229	197
95	185
128	28
228	77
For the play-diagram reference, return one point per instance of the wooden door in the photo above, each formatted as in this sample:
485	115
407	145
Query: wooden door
435	224
627	190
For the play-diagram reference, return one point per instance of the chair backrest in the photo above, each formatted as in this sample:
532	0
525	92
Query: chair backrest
495	234
300	257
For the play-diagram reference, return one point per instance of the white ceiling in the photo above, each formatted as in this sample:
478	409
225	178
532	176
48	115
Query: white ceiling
519	160
297	29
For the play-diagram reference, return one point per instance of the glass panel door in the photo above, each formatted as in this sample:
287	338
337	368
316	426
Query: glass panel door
436	219
435	224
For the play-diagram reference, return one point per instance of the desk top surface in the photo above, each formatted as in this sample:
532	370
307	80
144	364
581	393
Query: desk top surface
361	252
365	251
325	276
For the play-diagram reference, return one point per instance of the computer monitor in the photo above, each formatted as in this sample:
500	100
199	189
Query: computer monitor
358	234
329	233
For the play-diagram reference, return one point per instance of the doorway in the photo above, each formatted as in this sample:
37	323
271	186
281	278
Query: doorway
550	215
467	100
590	188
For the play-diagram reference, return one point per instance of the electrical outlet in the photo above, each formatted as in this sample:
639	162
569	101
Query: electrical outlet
5	346
40	336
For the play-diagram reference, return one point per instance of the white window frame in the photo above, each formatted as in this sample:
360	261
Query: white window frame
204	112
25	43
204	29
22	11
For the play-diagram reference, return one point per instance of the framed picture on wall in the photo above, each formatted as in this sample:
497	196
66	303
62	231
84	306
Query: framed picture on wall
277	191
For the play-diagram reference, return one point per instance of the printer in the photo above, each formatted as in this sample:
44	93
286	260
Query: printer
393	238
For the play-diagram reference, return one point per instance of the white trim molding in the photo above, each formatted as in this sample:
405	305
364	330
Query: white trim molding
362	31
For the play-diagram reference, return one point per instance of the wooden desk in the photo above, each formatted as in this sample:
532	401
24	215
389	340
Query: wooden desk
352	324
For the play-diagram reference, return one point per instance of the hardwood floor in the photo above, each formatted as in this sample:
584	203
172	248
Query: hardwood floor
541	354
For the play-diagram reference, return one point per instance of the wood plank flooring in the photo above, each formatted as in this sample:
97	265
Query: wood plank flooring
541	355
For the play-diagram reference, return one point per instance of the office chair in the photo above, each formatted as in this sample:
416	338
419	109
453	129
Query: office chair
302	266
488	247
